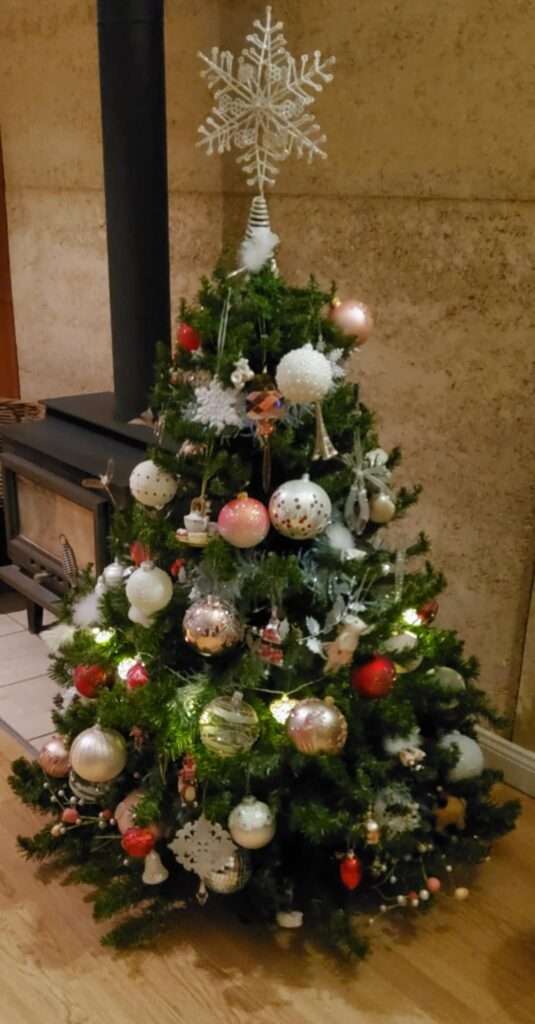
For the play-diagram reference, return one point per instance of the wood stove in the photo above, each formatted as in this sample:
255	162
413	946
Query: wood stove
45	463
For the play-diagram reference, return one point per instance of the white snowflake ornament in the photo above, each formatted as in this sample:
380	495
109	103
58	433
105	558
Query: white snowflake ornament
217	406
202	846
261	103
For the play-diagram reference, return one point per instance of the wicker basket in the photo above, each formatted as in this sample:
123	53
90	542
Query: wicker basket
13	410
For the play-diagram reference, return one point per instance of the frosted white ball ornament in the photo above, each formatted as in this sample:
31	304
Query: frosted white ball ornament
152	486
149	589
251	824
304	375
470	763
300	509
98	755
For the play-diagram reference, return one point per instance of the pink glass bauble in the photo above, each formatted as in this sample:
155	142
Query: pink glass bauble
54	758
434	884
243	522
317	726
353	318
124	813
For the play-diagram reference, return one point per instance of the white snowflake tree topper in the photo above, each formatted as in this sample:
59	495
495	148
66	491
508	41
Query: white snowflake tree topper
261	104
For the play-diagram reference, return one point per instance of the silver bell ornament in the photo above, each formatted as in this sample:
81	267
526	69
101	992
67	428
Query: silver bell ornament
251	824
149	589
152	486
154	872
300	509
317	726
228	726
212	625
97	754
113	574
231	876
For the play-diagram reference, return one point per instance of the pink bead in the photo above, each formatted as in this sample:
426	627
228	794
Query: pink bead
243	522
353	318
70	816
434	884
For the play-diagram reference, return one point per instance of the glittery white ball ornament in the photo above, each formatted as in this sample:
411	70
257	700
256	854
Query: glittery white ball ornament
149	589
304	375
300	509
339	537
231	876
152	486
470	763
98	755
251	824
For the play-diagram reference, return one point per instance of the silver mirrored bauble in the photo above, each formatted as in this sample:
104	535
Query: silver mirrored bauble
152	486
98	755
228	726
251	823
89	792
300	509
212	625
232	876
317	726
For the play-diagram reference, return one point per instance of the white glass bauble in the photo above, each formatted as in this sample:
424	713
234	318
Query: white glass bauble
470	763
382	509
304	375
448	678
149	588
98	755
393	745
251	824
228	726
300	509
402	643
113	574
339	537
152	486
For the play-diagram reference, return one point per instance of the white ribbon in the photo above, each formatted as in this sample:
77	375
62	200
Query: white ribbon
370	471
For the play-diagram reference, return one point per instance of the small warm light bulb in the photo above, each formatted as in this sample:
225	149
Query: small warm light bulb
411	617
124	666
103	636
280	708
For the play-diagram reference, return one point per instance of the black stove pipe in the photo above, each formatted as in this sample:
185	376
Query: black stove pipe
132	87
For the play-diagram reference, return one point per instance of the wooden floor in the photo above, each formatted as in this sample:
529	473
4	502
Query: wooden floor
471	963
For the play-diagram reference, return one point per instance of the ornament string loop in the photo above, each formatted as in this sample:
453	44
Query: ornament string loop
369	471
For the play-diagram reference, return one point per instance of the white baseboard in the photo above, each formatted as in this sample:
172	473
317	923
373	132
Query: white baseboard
516	763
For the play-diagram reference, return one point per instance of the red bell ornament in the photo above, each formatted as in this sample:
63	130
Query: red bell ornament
137	842
136	676
187	338
375	678
351	871
89	679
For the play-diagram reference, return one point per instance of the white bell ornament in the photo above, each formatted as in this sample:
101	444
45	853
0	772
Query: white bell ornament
154	872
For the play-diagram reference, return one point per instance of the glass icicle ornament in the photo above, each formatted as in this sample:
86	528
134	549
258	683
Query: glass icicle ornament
305	375
228	726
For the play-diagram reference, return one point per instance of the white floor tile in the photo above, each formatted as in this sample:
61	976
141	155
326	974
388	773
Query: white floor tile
26	706
8	624
22	618
22	656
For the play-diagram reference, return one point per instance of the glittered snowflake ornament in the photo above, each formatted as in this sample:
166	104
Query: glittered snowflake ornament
261	103
202	846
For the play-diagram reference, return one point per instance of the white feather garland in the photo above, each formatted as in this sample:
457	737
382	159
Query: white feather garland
256	250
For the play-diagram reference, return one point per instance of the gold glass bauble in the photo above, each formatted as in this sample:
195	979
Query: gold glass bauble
232	876
212	625
228	726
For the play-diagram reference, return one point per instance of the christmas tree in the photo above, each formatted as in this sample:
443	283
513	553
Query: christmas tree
257	704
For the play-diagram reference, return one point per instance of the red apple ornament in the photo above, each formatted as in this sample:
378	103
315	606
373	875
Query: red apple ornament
243	522
137	842
375	678
187	337
89	679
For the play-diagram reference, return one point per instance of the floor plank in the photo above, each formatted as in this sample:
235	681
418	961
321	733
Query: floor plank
465	962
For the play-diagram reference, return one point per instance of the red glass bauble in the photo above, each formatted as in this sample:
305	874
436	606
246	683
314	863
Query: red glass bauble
137	842
88	679
351	871
139	552
187	338
243	522
428	612
137	676
375	678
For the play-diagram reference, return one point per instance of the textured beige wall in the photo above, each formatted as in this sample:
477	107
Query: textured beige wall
424	208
